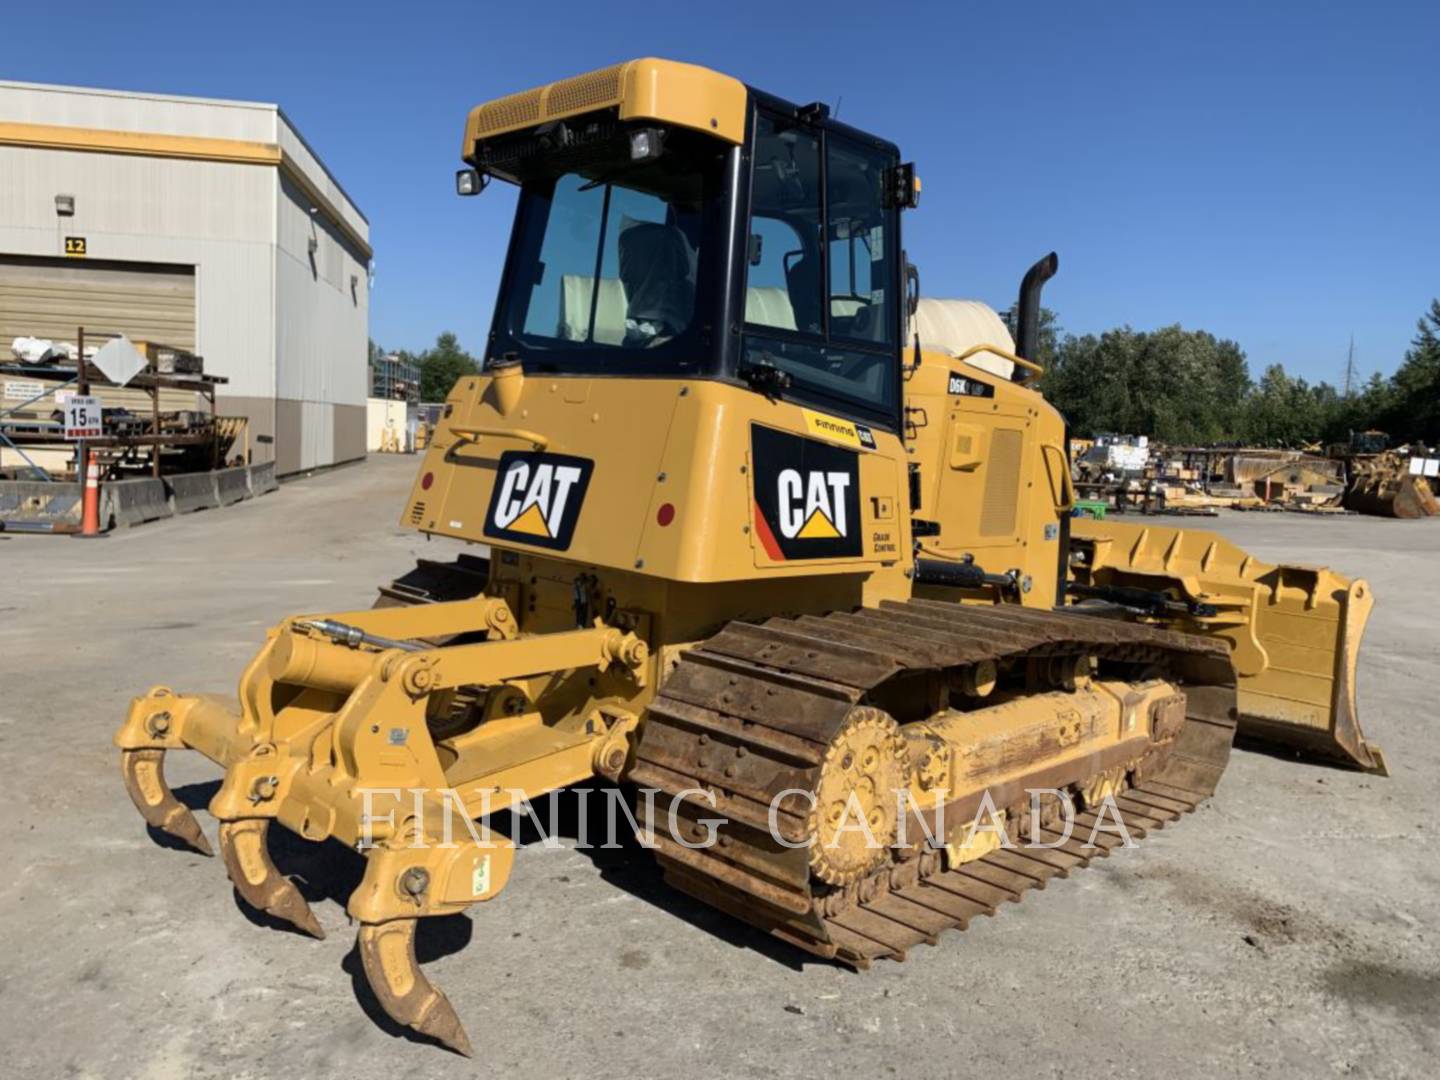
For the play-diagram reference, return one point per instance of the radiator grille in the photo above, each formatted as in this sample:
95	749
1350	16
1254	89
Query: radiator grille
518	110
1002	483
584	92
417	513
563	98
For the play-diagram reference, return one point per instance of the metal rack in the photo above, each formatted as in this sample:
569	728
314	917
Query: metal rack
120	447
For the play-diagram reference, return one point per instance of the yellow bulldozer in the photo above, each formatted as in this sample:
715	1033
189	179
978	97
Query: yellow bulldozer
771	540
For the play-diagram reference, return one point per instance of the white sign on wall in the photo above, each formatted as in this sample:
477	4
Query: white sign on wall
23	391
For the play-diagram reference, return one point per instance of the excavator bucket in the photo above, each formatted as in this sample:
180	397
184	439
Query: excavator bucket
1293	631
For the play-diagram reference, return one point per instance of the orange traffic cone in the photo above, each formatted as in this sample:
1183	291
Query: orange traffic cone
90	507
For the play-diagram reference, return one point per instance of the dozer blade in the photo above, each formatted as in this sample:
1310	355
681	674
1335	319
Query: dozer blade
247	860
144	773
1293	631
387	951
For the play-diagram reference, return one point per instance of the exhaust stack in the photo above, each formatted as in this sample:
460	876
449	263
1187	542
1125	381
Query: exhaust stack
1027	311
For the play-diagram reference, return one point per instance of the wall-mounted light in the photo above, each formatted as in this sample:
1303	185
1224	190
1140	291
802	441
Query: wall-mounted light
65	205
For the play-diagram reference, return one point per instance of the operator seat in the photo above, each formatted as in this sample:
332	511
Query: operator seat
657	271
802	278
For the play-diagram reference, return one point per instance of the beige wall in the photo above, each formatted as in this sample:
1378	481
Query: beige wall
213	216
261	412
297	423
349	432
380	414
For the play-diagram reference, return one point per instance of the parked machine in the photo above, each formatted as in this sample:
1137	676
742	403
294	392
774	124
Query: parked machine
757	549
1399	483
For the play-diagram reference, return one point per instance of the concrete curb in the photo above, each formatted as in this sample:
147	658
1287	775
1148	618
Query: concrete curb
134	502
262	479
40	501
232	485
193	491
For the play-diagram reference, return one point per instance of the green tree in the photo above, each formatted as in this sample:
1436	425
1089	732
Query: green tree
1413	412
443	366
1285	410
1363	410
1188	386
1181	386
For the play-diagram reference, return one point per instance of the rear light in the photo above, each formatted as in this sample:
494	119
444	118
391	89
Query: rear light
666	514
426	481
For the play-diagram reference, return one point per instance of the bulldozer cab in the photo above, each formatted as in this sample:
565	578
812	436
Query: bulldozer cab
762	251
1369	442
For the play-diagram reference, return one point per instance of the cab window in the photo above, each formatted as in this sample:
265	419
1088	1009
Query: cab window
613	265
819	300
860	301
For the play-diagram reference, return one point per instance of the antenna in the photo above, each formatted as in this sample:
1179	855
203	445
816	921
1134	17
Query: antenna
1350	368
838	102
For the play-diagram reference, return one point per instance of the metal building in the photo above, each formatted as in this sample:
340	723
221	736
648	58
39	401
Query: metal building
208	225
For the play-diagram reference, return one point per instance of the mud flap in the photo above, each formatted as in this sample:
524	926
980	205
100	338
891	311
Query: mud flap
1294	631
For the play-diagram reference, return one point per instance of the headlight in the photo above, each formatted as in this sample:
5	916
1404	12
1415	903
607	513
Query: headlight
645	143
470	182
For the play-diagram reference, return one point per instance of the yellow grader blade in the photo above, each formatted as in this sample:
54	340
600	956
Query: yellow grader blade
332	739
1293	631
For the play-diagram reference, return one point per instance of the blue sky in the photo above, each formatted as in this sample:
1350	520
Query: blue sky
1265	171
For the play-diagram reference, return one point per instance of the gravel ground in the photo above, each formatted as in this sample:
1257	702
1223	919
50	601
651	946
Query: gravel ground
1292	926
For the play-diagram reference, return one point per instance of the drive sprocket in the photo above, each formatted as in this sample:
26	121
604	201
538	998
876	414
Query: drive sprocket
855	818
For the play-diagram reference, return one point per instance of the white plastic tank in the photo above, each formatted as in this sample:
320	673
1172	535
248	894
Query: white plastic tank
955	326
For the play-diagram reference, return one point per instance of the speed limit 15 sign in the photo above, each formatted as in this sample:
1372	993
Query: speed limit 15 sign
83	416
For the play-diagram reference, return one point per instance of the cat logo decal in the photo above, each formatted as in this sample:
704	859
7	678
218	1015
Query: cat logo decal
812	506
537	498
807	497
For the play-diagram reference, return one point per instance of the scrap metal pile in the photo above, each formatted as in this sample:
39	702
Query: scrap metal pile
1360	476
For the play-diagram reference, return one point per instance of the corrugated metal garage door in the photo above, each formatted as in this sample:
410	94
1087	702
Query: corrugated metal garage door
50	298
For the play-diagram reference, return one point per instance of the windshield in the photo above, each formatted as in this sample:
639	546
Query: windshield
609	268
820	300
